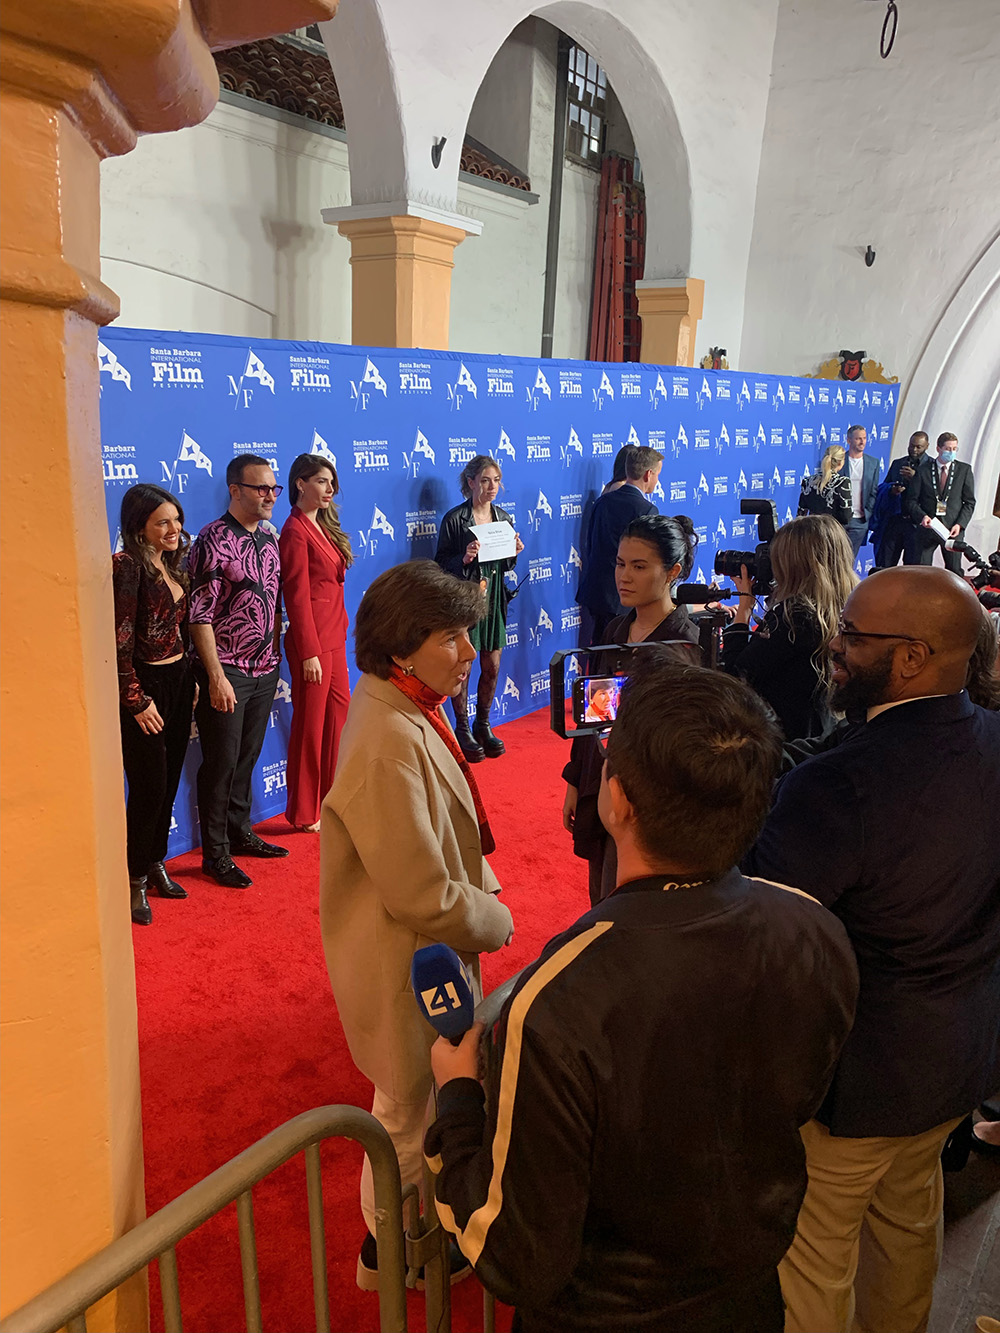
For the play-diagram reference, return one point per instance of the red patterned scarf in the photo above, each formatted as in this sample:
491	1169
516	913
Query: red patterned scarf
429	704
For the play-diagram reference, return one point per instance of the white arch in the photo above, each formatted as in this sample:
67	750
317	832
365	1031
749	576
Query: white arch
956	384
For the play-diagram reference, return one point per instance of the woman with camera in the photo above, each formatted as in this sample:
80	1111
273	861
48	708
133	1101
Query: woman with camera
458	552
828	490
786	659
654	552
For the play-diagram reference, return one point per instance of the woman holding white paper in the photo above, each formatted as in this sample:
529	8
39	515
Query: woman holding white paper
458	552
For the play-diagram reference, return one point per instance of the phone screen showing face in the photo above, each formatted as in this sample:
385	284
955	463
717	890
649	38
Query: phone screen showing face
595	700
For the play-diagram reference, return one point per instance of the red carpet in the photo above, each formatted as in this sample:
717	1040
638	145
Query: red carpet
238	1032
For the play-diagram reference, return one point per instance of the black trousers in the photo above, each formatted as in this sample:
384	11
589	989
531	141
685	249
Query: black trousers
898	537
153	764
230	747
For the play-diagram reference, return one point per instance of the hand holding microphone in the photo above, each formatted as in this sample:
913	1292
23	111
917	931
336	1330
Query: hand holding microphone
442	988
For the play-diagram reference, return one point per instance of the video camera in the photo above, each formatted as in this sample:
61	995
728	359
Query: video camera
987	581
758	561
596	690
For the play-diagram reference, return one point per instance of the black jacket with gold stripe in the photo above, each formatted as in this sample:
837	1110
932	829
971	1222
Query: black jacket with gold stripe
636	1161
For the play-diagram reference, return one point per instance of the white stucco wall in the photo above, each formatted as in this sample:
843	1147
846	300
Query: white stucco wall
217	229
902	154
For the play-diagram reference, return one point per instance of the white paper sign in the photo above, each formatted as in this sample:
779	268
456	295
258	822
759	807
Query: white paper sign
496	541
936	526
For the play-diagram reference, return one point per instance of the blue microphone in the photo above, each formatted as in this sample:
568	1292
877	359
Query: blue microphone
442	987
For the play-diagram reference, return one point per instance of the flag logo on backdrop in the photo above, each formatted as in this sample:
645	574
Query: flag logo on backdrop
504	446
544	626
109	364
379	525
573	561
320	446
421	450
658	393
510	692
540	386
573	445
465	384
542	507
175	476
371	382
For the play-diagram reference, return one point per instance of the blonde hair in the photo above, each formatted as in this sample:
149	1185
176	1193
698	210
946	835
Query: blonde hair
832	461
813	568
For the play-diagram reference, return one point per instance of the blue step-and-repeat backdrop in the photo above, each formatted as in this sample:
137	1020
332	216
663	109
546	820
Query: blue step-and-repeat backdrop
400	424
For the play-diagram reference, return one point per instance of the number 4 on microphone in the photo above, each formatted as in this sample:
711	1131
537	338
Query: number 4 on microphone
441	999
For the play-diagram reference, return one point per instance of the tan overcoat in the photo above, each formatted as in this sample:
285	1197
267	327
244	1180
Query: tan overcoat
401	866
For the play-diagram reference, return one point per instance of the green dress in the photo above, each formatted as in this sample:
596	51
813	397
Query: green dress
489	635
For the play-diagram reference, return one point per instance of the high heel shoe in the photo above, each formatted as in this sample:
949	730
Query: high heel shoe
492	746
158	879
142	913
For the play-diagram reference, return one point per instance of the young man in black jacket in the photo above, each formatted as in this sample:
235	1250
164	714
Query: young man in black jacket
636	1161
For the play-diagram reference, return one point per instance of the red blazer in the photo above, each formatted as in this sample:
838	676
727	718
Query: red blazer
312	580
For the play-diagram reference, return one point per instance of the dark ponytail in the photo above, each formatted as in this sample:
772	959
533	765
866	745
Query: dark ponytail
673	538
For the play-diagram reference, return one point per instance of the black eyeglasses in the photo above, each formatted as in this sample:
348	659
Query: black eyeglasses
844	633
262	491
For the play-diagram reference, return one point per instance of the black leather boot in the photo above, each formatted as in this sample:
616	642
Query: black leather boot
493	746
142	913
467	743
158	879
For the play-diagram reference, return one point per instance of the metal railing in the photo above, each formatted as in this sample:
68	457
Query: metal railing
65	1303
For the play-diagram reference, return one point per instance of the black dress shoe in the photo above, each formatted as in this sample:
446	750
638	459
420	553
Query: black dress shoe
493	746
158	879
251	845
470	747
226	872
142	913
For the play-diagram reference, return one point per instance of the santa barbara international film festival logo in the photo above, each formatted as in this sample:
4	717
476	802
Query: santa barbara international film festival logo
572	449
309	374
176	368
420	451
464	386
541	510
509	696
255	376
504	446
542	627
364	390
108	364
320	446
379	528
539	390
177	475
572	562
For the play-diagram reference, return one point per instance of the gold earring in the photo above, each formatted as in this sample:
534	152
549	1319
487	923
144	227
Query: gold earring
407	671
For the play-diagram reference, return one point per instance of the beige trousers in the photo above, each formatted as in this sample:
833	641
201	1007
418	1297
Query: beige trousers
868	1239
405	1123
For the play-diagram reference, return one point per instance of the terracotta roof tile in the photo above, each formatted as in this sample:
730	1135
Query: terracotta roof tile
285	75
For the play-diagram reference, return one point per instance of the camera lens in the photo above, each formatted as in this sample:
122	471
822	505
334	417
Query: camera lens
727	563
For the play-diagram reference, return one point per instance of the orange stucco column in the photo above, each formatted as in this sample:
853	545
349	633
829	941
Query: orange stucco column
670	309
401	280
70	1132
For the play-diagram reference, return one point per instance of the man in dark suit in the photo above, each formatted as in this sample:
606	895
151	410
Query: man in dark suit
891	525
862	471
893	830
945	491
597	595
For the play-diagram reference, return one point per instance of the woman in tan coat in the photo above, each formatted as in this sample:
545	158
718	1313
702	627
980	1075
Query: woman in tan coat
403	837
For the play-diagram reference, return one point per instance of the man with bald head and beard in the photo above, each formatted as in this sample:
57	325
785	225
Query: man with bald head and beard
894	830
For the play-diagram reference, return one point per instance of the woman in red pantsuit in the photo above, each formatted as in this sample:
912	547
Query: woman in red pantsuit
315	554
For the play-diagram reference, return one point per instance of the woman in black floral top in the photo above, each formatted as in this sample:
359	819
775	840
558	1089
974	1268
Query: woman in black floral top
155	682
